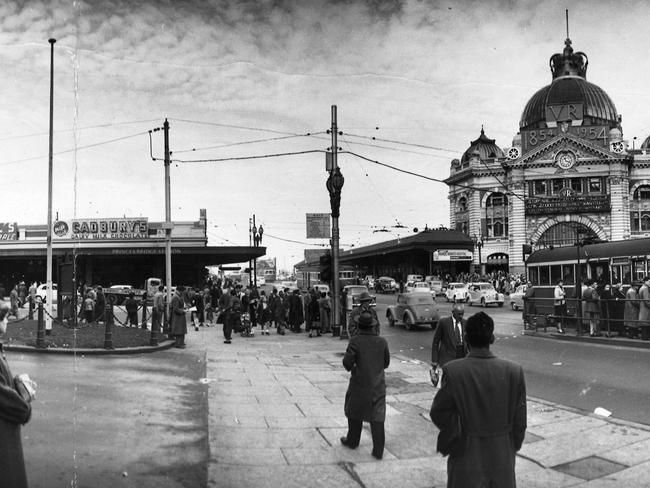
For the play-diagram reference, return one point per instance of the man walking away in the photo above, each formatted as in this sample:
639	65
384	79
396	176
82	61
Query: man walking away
366	357
483	400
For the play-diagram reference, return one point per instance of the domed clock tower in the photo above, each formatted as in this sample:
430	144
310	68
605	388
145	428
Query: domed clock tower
567	176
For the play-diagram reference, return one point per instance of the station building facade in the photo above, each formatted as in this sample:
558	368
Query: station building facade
569	176
112	251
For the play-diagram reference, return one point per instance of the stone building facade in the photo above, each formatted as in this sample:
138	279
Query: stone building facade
568	176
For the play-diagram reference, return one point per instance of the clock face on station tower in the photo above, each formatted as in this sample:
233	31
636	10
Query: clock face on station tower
565	159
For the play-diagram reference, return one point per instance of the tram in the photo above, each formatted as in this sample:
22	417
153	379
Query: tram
608	263
308	276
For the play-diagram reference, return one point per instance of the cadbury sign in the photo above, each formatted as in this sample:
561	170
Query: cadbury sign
91	229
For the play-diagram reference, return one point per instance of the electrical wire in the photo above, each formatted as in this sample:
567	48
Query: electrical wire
403	143
266	234
240	158
232	126
77	129
88	146
247	142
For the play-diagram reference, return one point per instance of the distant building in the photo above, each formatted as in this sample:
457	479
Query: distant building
569	175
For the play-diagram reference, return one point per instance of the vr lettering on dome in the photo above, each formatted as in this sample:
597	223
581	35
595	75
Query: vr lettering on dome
120	229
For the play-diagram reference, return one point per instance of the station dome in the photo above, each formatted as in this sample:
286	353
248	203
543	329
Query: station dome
570	85
645	146
483	147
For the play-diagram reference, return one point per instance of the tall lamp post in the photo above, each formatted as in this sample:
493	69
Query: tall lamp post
478	242
257	234
49	258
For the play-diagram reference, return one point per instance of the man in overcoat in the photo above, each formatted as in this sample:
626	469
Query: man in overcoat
178	318
644	308
15	410
448	342
366	357
487	396
631	313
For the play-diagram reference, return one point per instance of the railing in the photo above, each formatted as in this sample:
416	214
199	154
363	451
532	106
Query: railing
609	319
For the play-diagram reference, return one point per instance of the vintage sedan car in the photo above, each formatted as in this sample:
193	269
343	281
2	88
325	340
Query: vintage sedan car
413	309
484	294
41	292
517	297
457	292
385	284
416	286
437	286
353	292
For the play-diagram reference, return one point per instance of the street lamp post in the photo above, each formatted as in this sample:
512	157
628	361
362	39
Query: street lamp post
478	242
257	234
334	186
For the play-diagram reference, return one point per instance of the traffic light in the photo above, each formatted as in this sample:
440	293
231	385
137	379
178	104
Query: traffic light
326	267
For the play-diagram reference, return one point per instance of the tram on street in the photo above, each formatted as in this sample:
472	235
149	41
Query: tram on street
616	263
309	276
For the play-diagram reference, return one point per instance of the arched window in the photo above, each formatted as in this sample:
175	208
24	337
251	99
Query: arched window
462	204
496	215
639	217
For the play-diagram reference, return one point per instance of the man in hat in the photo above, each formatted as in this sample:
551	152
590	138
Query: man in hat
366	357
365	301
481	412
631	311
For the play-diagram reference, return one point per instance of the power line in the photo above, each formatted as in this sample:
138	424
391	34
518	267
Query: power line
99	126
74	149
266	234
247	142
403	143
240	158
232	126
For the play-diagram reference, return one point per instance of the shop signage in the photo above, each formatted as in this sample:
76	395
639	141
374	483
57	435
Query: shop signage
452	255
568	204
101	229
8	231
318	226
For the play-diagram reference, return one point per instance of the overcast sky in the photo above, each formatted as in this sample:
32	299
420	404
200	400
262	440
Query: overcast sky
426	73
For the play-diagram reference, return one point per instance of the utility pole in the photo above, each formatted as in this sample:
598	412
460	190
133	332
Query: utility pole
48	279
334	186
168	227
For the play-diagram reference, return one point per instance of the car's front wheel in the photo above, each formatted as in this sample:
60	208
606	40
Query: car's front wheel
513	306
391	320
500	304
483	304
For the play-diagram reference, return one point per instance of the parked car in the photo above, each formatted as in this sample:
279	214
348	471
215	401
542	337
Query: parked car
413	309
414	277
457	292
353	292
41	292
484	294
517	297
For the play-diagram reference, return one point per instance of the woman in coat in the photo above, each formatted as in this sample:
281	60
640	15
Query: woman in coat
178	318
366	357
15	410
631	313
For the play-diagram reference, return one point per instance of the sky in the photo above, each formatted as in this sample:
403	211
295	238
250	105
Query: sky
413	82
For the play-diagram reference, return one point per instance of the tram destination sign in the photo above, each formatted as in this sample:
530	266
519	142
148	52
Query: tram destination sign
101	229
567	205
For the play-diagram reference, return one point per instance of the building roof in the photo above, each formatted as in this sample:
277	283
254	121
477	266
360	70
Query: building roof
570	85
427	240
483	147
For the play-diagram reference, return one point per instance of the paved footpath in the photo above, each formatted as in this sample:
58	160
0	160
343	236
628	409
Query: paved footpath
276	415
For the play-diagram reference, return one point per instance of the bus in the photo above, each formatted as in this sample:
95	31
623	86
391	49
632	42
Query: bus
616	263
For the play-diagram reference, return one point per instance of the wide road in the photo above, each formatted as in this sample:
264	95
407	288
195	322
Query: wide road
576	374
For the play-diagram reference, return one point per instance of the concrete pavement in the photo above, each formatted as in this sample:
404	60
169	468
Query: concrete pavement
276	415
267	411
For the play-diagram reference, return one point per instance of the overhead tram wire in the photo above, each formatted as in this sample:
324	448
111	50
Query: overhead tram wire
266	234
308	134
243	127
392	141
241	158
78	148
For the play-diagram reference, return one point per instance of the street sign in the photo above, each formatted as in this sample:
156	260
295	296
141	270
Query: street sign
318	226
